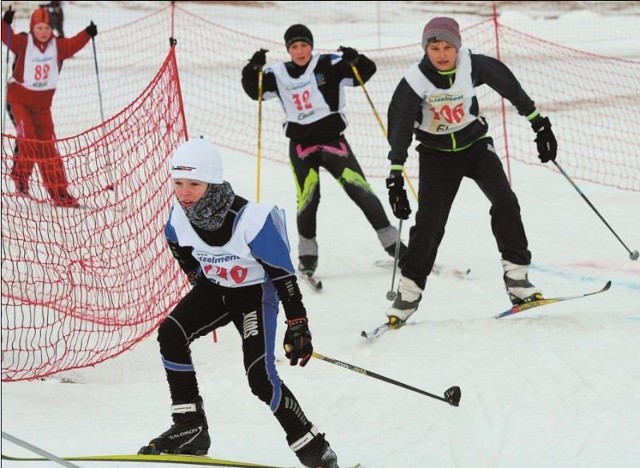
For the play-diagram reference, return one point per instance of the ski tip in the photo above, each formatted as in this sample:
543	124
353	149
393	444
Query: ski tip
364	334
607	286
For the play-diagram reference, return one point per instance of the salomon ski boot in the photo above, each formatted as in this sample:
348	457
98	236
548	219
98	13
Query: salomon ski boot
189	434
314	451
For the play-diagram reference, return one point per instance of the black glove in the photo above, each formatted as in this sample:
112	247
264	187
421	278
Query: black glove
8	15
91	30
297	341
349	55
545	140
192	276
397	195
259	59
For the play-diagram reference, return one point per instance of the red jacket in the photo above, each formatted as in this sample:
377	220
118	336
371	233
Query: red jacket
17	43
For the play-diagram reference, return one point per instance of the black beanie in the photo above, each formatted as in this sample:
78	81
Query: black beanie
298	32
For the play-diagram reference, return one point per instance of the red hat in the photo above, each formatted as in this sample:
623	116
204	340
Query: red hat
40	15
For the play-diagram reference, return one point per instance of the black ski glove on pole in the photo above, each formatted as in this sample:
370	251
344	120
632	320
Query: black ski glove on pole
8	16
91	30
259	59
545	139
397	194
349	55
297	341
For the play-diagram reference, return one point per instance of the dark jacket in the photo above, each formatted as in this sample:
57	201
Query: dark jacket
328	75
405	107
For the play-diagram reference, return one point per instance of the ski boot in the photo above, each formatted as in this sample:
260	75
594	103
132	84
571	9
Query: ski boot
516	281
65	200
405	303
189	434
314	451
22	186
308	264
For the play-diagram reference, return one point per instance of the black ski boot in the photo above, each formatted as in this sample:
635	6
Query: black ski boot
314	451
189	434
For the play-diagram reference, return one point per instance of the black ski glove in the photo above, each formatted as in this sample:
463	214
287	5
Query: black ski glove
349	55
91	30
192	276
8	15
297	342
545	139
259	59
398	195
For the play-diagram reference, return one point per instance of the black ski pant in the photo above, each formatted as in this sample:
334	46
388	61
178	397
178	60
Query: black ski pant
337	158
253	310
440	176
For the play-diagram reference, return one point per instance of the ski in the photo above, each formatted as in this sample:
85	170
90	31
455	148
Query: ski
376	332
551	300
381	329
163	458
438	270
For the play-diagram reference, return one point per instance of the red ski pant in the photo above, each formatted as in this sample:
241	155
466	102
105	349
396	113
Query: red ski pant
36	135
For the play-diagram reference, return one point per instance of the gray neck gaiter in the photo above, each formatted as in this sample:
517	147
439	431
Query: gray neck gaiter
209	212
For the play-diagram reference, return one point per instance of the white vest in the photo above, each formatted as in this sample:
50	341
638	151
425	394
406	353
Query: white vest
445	111
302	101
230	265
40	68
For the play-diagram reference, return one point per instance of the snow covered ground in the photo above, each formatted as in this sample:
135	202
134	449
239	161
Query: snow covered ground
556	386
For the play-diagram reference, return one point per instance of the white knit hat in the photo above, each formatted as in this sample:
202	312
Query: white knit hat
197	159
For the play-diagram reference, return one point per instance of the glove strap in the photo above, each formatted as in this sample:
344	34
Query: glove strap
297	321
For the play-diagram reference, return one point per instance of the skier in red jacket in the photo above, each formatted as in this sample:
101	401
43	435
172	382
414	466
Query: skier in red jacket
38	61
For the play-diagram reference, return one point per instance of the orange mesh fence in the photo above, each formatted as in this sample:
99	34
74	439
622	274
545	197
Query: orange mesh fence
82	285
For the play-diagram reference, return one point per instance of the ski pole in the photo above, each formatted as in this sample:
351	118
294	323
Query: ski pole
95	62
39	451
259	151
6	75
632	255
360	81
451	395
391	294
